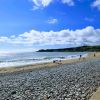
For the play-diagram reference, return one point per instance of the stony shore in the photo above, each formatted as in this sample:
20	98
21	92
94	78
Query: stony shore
75	81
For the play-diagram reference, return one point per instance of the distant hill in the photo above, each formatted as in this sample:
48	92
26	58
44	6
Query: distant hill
74	49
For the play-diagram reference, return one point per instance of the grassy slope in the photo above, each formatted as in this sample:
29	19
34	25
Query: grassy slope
74	49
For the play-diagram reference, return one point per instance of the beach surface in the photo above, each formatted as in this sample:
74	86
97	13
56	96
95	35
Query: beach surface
69	80
47	64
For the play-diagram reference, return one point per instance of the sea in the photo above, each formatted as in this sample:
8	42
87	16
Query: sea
27	58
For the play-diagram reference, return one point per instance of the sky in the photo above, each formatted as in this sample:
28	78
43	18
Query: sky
29	25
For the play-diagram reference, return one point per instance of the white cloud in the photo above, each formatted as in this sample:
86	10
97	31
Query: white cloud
38	4
68	2
52	21
88	35
41	3
96	4
44	3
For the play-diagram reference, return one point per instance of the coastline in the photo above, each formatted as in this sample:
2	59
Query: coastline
48	64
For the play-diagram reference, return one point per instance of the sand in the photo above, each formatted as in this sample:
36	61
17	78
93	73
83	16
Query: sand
96	95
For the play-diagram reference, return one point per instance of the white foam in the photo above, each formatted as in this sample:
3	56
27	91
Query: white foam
43	59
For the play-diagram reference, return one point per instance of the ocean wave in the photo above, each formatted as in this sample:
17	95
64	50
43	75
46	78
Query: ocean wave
16	60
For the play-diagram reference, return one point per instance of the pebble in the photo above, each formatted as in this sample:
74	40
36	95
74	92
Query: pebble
75	81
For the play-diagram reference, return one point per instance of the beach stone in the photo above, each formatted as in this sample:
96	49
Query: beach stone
47	97
75	81
13	92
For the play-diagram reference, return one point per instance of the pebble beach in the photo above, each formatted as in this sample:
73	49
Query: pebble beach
76	81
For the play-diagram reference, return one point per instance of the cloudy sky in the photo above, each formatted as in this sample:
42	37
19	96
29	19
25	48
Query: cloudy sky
27	25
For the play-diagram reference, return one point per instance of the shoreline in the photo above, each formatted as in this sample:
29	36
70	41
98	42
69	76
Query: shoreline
17	61
48	64
74	79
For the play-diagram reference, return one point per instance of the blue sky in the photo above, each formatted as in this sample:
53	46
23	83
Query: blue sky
35	24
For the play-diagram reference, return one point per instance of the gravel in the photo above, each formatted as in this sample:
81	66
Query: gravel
75	81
